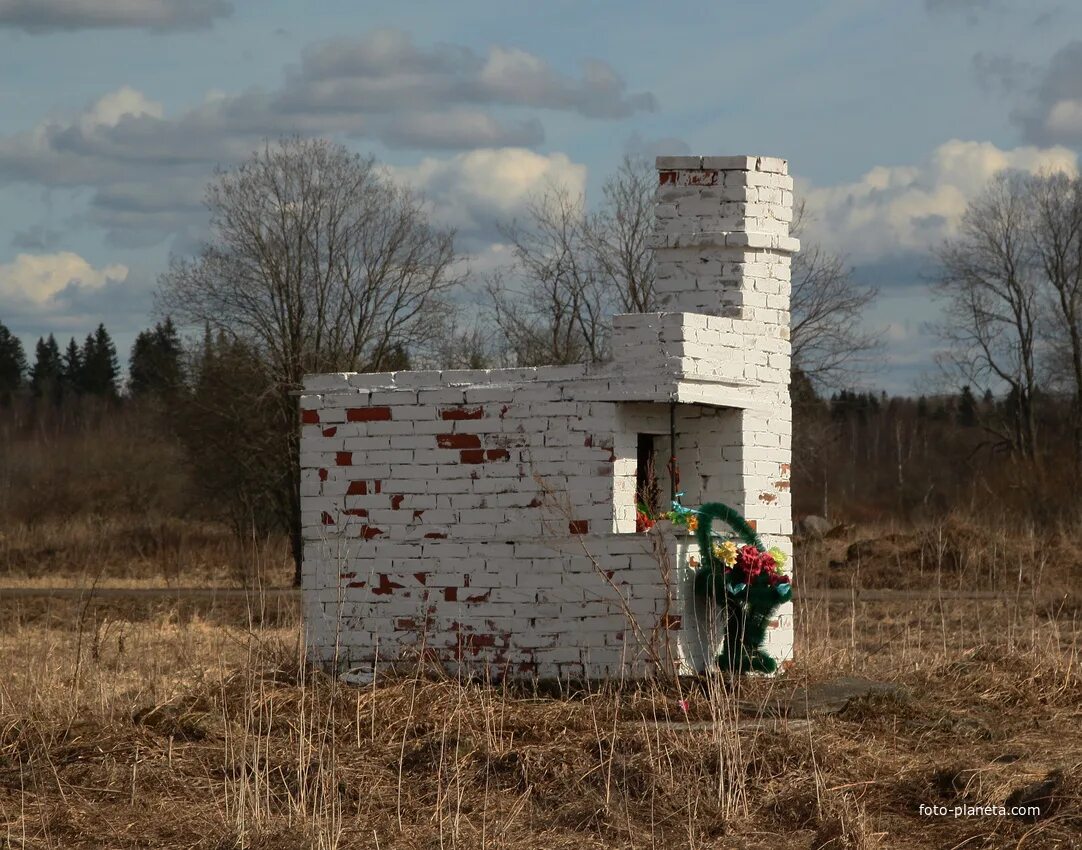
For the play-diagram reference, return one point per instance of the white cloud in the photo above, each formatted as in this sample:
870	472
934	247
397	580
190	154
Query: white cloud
380	86
109	109
37	279
1064	119
471	190
899	209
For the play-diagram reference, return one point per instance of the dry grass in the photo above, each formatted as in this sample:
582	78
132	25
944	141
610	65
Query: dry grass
152	729
144	551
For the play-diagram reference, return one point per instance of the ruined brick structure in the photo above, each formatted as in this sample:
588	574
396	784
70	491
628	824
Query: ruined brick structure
488	516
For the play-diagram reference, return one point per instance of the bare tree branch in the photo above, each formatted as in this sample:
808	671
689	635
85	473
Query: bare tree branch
829	341
989	284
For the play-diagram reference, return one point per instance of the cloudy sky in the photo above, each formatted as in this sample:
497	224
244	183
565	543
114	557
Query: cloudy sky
114	114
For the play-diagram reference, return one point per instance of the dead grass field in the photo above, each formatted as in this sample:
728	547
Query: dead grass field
190	724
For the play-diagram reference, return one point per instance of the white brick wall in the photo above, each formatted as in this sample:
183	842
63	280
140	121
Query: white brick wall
478	512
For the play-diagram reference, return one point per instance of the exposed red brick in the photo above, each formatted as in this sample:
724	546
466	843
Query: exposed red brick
775	623
450	594
421	577
785	469
498	454
781	485
343	458
396	502
534	503
323	475
357	512
330	432
458	441
386	586
327	519
368	414
752	524
379	486
671	621
455	413
472	455
310	417
357	488
436	535
370	531
609	574
767	497
481	597
347	575
405	624
357	584
417	514
579	526
475	642
589	441
503	410
688	178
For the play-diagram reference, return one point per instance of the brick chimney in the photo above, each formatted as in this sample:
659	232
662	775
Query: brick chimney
721	237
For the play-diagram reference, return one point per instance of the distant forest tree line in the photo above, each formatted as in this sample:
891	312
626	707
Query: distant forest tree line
318	261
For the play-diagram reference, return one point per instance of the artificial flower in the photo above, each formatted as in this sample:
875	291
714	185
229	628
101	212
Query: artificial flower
751	561
725	552
779	557
693	523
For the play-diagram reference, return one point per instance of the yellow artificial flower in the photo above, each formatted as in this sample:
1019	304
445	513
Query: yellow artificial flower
693	523
779	557
725	552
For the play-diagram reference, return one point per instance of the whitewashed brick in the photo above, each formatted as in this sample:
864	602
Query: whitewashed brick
455	463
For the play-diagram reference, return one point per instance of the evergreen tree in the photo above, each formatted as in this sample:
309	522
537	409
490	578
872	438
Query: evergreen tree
100	366
922	407
72	366
967	409
155	362
802	389
12	364
47	372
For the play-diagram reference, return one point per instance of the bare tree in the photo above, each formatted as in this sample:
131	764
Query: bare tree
317	262
556	310
1057	239
829	340
618	234
573	269
989	282
463	342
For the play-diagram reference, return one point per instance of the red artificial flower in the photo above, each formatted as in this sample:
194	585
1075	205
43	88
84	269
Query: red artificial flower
642	522
752	561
